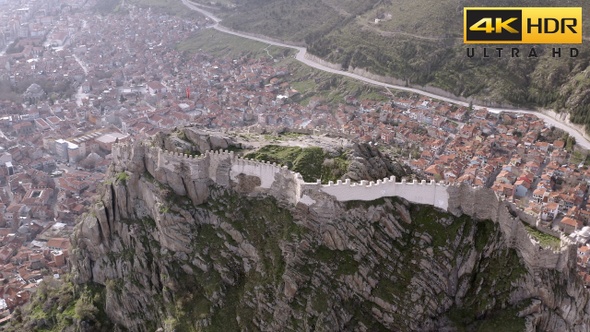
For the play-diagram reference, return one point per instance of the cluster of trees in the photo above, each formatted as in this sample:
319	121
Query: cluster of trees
570	142
7	92
14	48
59	305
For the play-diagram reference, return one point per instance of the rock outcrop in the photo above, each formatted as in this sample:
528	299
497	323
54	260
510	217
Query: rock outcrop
368	163
182	250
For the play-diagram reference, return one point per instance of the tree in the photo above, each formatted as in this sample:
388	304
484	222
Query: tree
569	144
85	311
17	315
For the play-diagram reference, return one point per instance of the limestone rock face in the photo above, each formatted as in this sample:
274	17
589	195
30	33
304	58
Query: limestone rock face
205	142
368	163
180	246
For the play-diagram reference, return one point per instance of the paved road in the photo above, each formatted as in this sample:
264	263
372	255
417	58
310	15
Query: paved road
79	94
82	64
581	140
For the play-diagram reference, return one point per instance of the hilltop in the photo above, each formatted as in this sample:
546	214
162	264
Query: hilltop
188	235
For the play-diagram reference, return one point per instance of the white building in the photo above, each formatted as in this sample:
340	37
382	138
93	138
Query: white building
67	151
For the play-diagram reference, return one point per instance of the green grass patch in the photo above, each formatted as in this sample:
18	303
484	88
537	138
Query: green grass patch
489	289
170	7
484	232
330	88
428	219
215	43
342	261
319	302
304	86
122	177
388	290
578	157
288	136
224	319
312	162
545	240
504	320
107	6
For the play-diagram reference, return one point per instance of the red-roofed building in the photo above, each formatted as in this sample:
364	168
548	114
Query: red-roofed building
58	243
569	225
549	211
155	87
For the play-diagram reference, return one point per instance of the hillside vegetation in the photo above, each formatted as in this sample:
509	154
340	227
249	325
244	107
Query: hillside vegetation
60	305
313	163
420	42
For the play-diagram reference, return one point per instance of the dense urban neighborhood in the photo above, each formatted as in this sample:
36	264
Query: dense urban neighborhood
73	84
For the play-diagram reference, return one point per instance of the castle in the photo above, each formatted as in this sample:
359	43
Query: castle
224	168
423	192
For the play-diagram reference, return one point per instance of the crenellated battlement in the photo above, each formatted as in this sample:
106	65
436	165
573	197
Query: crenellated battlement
227	169
384	181
423	192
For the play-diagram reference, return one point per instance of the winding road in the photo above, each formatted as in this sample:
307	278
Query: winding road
571	129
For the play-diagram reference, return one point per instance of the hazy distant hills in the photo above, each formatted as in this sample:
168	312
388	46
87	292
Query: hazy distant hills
420	41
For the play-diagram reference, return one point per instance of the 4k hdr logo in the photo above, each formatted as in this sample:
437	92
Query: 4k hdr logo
523	25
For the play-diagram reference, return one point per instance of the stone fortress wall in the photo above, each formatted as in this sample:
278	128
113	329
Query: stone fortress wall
423	192
225	168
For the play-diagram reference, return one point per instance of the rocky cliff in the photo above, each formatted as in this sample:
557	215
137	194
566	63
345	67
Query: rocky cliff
193	246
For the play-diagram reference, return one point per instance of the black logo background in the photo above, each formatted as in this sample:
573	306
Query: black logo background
474	15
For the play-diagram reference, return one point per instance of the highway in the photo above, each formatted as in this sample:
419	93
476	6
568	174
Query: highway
581	140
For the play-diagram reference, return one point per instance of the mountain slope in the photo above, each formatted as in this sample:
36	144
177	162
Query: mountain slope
420	42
